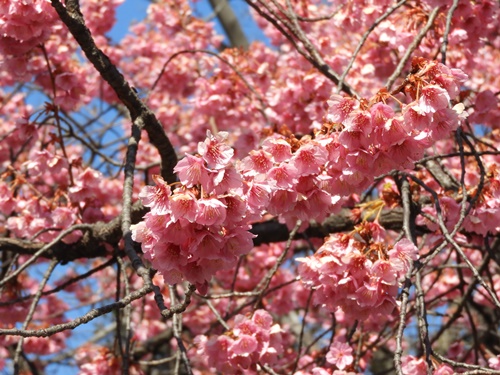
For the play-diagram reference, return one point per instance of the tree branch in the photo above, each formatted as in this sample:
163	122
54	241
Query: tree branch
139	112
229	22
92	244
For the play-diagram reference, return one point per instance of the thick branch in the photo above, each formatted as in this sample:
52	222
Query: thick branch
273	231
91	245
229	23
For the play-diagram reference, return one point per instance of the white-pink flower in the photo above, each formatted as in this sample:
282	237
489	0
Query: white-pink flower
215	151
156	197
340	355
494	362
210	212
433	98
340	107
192	171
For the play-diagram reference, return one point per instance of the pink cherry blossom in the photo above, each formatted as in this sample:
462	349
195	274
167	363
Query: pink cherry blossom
157	197
214	151
341	107
412	365
192	171
433	98
279	149
210	212
494	362
340	354
183	205
258	162
402	254
308	159
284	175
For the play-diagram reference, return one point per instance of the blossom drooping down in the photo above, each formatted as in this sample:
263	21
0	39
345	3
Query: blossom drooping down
250	343
308	178
358	273
199	227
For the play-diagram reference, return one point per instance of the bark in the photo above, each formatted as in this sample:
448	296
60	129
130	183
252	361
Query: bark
229	23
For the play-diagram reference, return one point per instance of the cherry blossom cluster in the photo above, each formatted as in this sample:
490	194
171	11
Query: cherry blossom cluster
251	342
202	225
17	132
290	178
41	199
486	109
293	151
24	25
100	360
483	217
374	138
358	272
285	178
11	314
307	178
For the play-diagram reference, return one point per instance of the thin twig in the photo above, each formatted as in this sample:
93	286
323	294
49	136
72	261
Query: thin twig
91	315
55	109
127	317
44	249
177	329
217	315
62	286
412	47
176	308
460	304
405	292
264	283
31	311
322	18
158	362
302	329
363	40
446	34
453	243
423	324
309	52
466	366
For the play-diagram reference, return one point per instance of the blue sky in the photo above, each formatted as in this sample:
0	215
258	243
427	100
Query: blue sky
135	10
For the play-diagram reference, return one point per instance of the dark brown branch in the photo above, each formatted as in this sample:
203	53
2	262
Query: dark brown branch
139	112
273	231
445	179
153	344
92	243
